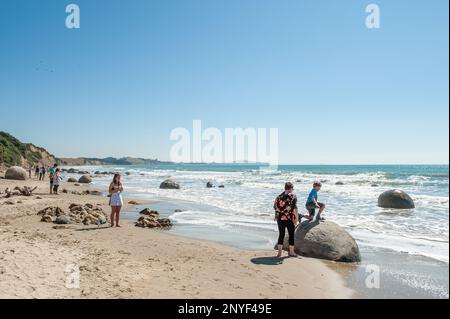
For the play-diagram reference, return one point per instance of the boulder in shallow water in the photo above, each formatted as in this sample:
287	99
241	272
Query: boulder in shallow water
325	240
209	185
395	198
85	179
16	173
339	183
169	184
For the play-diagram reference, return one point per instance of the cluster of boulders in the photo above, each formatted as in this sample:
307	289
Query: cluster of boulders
85	192
103	173
87	214
74	171
151	219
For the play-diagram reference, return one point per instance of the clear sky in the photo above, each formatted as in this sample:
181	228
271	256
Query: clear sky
337	91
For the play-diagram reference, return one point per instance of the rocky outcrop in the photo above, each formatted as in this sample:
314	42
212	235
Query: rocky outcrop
14	152
151	219
87	214
85	179
16	173
395	198
325	240
169	184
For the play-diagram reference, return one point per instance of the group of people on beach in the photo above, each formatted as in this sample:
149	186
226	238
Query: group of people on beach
39	171
54	174
287	216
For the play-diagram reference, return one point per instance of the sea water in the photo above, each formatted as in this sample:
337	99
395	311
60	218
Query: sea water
241	214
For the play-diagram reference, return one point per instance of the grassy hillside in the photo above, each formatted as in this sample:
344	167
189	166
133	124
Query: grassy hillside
14	152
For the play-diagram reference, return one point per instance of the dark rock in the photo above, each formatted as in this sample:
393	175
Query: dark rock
209	185
63	219
395	198
169	184
85	179
339	183
72	180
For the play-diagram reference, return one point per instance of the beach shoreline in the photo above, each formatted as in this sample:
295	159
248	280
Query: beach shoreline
132	262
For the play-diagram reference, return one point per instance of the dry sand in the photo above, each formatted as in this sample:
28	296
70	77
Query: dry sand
132	262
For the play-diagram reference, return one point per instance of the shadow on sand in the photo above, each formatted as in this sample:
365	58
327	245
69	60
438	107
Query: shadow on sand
270	261
93	228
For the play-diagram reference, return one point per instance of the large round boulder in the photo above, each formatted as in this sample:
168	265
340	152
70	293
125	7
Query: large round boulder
169	184
395	198
16	173
325	240
85	179
72	180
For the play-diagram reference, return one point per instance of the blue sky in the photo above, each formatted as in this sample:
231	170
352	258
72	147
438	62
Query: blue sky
337	91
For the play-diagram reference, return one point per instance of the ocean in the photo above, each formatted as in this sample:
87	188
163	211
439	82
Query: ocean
410	246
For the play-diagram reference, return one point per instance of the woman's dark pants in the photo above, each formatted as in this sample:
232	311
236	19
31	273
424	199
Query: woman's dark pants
282	225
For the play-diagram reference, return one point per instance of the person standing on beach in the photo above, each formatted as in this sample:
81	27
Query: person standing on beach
286	215
312	202
30	170
36	171
116	201
56	181
51	172
41	173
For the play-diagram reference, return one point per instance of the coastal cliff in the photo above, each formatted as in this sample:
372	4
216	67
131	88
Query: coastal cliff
14	152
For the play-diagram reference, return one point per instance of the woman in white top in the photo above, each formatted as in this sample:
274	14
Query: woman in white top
116	201
56	179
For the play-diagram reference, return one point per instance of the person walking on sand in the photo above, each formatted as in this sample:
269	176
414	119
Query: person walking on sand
116	201
56	181
312	203
41	173
51	172
36	171
286	215
30	170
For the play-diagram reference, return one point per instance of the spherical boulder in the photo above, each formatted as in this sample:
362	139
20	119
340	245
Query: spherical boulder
16	173
395	198
85	179
325	240
72	180
169	184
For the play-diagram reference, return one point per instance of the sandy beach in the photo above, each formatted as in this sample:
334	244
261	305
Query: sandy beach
132	262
